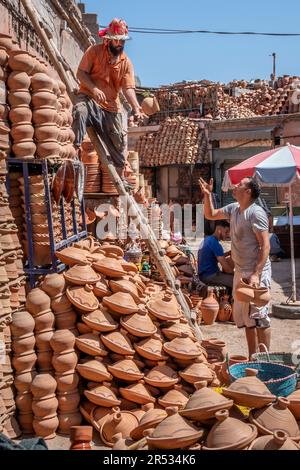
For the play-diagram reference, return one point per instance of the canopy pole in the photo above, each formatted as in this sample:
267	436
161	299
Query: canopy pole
294	290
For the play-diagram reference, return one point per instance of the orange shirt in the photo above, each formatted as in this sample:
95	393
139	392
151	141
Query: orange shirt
109	78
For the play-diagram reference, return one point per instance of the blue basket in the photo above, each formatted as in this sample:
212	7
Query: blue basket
281	380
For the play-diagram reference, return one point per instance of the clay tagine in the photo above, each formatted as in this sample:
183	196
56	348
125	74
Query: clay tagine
175	397
152	417
81	275
137	393
183	347
197	372
100	320
151	348
204	403
83	298
72	256
165	308
172	330
139	324
174	432
118	342
91	344
125	285
94	370
249	391
122	422
121	303
229	433
278	441
102	395
276	416
109	267
126	370
161	376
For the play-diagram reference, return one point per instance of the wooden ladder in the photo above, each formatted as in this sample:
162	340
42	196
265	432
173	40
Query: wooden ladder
153	245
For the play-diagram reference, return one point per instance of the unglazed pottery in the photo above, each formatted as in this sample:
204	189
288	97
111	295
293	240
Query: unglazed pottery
278	441
100	320
102	395
91	344
126	370
121	303
182	347
152	417
151	348
161	376
118	342
81	275
94	370
209	308
137	393
139	324
122	422
83	297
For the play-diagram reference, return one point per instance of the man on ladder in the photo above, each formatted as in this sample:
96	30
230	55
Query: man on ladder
104	72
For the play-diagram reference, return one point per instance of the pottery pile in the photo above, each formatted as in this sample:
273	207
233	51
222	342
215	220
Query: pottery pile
92	167
178	140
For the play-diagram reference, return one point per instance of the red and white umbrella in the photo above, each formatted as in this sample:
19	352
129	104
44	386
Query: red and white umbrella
275	167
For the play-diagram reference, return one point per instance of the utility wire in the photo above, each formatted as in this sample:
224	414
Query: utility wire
204	31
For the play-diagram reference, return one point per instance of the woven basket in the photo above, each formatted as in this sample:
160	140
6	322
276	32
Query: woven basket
280	379
287	359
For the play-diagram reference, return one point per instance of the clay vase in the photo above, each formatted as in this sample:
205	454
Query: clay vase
244	292
46	427
276	416
229	433
37	301
225	310
122	422
22	324
209	308
81	437
278	441
54	284
21	61
174	432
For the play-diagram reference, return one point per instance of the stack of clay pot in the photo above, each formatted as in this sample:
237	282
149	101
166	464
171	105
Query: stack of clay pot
5	47
92	167
66	135
65	317
107	184
64	362
180	263
44	406
38	304
24	362
176	141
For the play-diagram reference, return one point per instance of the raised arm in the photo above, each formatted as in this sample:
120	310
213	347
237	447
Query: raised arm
210	212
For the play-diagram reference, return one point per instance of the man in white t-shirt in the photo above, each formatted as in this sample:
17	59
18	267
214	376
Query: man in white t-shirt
250	248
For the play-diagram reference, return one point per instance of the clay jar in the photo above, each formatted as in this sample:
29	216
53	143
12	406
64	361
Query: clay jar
42	339
62	341
54	284
24	149
22	324
43	385
24	362
60	303
68	401
37	301
22	132
19	97
48	148
45	115
64	362
20	114
225	310
23	380
42	82
46	131
81	437
18	81
209	308
23	344
43	98
46	427
21	61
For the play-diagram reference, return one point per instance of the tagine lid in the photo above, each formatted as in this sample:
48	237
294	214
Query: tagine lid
82	297
165	306
72	256
197	370
81	275
103	393
126	367
139	322
137	390
206	398
118	342
175	427
90	343
278	441
182	347
249	386
121	302
162	374
175	397
151	348
100	320
94	369
229	433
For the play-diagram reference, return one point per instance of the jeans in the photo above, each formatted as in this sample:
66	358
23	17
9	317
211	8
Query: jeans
108	126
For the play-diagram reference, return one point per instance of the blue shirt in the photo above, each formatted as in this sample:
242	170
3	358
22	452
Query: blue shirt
208	252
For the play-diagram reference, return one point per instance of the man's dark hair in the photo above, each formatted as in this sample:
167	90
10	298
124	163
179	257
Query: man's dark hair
222	223
254	185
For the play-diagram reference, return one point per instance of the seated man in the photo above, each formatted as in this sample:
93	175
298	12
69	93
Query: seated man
276	252
211	253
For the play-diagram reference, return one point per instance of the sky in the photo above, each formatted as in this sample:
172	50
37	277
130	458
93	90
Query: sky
165	59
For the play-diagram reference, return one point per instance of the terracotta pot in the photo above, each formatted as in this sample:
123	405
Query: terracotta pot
44	132
109	267
44	406
94	370
244	292
276	416
21	132
165	307
20	114
47	148
81	275
43	98
18	81
44	361
22	324
174	432
23	344
42	339
294	403
43	385
44	115
21	61
197	372
37	301
262	296
24	149
19	97
6	41
68	401
126	370
41	81
83	298
209	308
161	376
60	303
25	421
151	418
46	427
72	256
229	433
118	342
278	441
91	344
62	341
122	422
81	437
64	362
65	320
225	310
139	324
24	362
100	320
44	321
24	402
23	380
66	381
102	395
54	284
67	420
